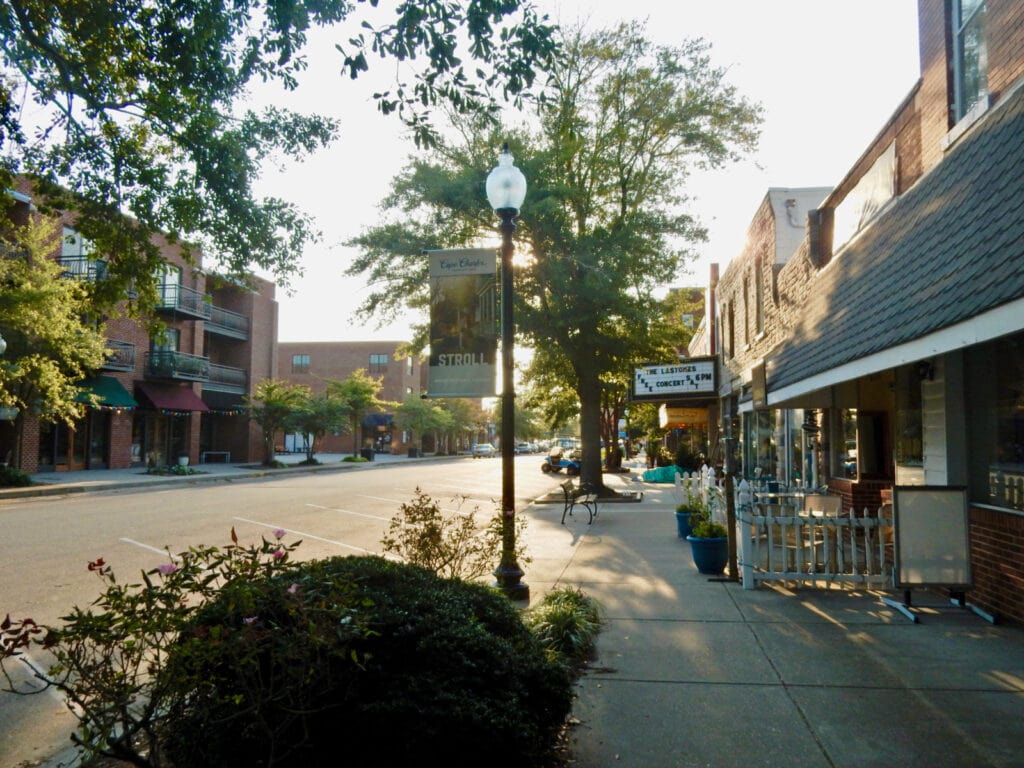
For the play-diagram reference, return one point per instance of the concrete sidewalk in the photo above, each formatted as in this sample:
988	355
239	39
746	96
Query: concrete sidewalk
59	483
693	671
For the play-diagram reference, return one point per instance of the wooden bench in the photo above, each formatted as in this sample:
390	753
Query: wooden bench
577	495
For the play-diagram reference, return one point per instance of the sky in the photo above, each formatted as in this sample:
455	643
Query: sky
828	73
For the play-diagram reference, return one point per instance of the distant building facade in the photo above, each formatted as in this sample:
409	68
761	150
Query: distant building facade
315	363
160	400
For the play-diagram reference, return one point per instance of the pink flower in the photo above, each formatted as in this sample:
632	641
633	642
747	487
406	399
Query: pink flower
293	589
167	568
278	554
249	620
279	533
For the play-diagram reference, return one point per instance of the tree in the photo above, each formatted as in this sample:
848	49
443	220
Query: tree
466	417
604	220
420	416
358	391
140	109
321	413
274	405
51	343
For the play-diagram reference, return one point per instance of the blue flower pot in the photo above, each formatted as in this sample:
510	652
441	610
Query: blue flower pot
683	524
710	555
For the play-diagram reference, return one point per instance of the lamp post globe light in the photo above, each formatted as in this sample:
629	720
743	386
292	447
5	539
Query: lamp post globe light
506	190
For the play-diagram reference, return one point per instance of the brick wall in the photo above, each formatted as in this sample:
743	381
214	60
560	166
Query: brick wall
120	440
1005	30
997	563
335	360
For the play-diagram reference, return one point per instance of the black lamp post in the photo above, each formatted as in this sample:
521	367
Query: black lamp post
506	190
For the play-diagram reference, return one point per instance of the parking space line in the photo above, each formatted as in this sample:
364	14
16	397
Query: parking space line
305	535
348	512
146	546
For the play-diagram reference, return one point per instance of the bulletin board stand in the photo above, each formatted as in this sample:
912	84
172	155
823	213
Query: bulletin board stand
931	545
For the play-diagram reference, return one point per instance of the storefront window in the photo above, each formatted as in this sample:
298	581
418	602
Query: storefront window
908	434
795	444
847	449
995	422
760	459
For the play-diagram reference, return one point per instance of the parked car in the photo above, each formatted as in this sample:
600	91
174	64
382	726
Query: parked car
524	448
483	449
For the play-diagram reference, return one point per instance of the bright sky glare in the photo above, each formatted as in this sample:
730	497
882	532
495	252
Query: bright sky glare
829	74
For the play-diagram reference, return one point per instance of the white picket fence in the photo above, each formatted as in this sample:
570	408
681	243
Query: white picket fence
701	486
782	542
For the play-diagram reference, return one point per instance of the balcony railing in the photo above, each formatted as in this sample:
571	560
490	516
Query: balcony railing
225	378
178	299
164	364
82	268
227	323
121	356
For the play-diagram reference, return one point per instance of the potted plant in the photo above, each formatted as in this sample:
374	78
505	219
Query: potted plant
709	545
686	514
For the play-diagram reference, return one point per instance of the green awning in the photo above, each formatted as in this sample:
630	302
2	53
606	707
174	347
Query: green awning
109	392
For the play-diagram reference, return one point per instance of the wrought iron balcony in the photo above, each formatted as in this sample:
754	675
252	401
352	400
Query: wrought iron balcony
227	323
120	357
83	268
225	378
179	366
188	302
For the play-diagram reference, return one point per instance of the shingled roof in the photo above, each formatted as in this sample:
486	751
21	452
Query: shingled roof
947	250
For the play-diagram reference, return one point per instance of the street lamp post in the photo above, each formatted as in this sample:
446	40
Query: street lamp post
506	190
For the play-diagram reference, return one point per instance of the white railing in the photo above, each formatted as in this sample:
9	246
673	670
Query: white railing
780	541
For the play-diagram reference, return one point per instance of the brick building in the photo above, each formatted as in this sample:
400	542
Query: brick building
314	363
888	349
178	394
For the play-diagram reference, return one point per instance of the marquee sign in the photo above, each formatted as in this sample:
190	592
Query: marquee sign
689	378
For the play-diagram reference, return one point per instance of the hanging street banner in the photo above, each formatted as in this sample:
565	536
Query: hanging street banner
690	378
464	323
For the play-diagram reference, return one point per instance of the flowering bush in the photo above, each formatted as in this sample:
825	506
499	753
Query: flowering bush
109	659
452	546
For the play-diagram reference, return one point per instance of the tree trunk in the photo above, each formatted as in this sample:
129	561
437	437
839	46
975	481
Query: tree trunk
268	448
589	392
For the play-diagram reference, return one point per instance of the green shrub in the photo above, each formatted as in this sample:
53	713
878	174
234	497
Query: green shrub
451	545
14	478
355	459
174	469
567	623
687	460
364	661
708	529
701	524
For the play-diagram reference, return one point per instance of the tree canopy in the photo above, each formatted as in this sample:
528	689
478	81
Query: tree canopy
134	114
273	405
605	222
51	345
359	393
